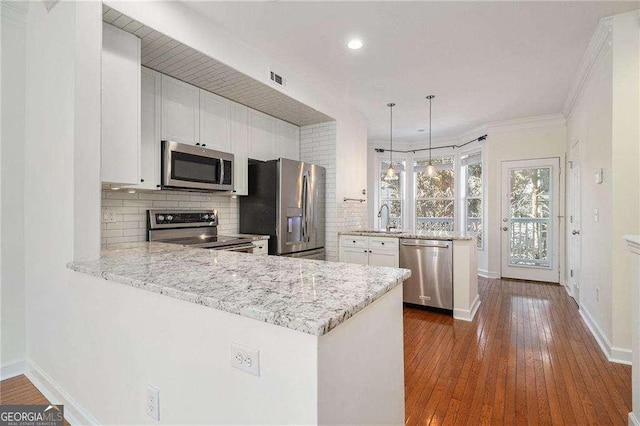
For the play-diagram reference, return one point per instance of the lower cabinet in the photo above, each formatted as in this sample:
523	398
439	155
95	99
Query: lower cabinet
372	251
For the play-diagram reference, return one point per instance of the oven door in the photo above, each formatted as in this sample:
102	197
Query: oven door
245	248
195	168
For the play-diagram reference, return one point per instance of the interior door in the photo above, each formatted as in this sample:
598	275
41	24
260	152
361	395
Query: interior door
573	228
529	226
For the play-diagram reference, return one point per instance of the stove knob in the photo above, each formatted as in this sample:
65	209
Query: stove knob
160	217
169	217
205	217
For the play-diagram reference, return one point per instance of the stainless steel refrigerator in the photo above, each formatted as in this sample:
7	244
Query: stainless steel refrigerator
286	201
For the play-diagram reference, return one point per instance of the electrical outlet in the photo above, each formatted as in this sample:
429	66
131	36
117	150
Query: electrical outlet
598	294
153	402
245	359
108	216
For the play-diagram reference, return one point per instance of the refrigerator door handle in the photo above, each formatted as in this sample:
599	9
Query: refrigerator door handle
305	200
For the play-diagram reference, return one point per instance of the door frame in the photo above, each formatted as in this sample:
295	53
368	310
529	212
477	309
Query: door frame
574	221
552	274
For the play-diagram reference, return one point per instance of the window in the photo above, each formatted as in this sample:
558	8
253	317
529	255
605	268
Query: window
434	196
472	197
392	192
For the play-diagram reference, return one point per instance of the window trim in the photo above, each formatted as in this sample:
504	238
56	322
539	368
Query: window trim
464	198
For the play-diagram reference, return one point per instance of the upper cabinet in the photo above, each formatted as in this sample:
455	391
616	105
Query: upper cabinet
214	122
180	111
120	111
240	148
150	130
262	136
288	141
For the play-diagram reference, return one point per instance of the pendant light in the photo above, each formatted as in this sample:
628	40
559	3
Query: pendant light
431	170
391	172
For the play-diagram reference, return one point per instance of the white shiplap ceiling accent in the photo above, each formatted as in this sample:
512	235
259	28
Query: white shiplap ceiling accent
168	56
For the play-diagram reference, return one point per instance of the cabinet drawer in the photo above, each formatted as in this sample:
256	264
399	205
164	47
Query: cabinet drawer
353	241
383	243
261	247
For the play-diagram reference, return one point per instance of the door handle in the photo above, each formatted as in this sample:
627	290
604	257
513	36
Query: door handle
575	232
505	228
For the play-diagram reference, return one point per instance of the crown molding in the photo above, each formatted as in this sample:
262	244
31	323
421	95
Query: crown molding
15	11
601	38
505	126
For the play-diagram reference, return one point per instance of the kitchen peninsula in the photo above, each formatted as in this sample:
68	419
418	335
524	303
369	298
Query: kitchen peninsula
317	326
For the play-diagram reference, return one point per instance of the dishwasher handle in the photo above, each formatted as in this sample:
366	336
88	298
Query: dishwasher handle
429	245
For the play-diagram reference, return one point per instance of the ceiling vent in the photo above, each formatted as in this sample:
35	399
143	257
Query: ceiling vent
277	79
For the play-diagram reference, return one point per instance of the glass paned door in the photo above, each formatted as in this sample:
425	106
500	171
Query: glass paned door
530	210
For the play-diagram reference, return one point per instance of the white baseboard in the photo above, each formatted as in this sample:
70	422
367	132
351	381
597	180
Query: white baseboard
467	315
633	420
12	369
73	412
488	274
613	353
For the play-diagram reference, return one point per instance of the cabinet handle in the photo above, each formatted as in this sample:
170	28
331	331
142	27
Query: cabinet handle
141	180
369	251
365	251
198	144
204	144
354	241
382	243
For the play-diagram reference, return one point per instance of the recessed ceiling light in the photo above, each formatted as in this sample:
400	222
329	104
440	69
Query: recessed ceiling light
354	44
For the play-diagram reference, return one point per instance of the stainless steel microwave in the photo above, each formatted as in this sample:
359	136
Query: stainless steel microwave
192	168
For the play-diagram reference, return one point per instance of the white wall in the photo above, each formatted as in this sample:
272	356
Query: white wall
62	165
604	121
590	126
625	160
13	46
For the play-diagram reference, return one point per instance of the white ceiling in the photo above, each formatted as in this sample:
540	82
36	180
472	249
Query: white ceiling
484	61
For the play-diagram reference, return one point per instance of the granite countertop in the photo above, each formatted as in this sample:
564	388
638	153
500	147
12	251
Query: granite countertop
421	235
310	296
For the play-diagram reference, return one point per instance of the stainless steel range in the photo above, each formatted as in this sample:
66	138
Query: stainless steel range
193	228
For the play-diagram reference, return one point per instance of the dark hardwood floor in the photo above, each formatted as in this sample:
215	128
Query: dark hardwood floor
527	358
20	391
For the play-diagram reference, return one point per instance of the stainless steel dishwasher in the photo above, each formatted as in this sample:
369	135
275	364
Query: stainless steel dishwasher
431	264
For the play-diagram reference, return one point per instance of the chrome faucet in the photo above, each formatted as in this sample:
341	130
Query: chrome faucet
389	226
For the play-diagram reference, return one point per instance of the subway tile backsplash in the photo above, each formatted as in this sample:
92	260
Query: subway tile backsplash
131	211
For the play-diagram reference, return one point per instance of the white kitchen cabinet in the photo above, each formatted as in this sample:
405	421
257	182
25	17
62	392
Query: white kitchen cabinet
120	107
372	251
356	255
150	129
262	136
180	111
240	147
261	247
288	140
214	122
